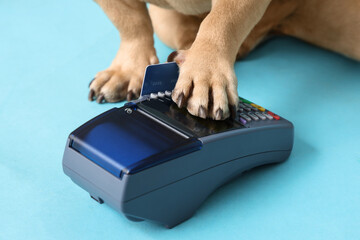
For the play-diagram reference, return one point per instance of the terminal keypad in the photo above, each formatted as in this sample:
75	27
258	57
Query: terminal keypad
250	112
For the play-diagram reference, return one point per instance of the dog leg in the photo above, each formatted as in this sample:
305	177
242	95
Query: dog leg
124	76
175	29
334	25
207	84
277	11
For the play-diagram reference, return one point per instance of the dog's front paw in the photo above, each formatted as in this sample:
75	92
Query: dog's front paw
207	85
113	85
123	79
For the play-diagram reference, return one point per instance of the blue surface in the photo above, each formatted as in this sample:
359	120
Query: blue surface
50	50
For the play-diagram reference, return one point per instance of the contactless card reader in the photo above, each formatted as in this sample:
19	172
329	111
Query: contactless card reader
151	160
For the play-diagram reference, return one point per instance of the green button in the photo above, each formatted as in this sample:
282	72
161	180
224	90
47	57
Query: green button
246	101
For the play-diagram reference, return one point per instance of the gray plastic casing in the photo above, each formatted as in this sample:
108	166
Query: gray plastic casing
171	192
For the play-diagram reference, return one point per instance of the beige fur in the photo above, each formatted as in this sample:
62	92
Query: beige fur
210	35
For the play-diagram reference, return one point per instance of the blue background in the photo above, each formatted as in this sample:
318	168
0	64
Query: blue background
50	50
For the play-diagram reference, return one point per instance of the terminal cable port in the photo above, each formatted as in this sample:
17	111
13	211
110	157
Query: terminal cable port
99	200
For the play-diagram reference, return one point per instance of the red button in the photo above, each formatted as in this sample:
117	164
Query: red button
274	115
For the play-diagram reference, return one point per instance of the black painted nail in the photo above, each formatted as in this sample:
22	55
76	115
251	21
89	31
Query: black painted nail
129	96
100	98
91	81
202	112
172	56
137	95
180	101
219	114
91	95
232	111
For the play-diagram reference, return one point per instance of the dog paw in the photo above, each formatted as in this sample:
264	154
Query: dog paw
207	85
113	85
123	79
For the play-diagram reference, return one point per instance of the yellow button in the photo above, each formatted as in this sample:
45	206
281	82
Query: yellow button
258	107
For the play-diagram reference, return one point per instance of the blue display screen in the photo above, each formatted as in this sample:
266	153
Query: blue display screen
118	141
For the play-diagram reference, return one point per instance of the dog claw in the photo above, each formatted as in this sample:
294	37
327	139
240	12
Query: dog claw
91	95
172	56
129	96
233	111
202	112
91	81
181	100
100	99
219	114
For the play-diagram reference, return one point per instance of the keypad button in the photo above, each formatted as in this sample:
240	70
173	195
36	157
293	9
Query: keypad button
258	107
260	115
161	94
246	117
168	93
270	113
153	96
242	105
274	115
242	120
253	116
252	107
247	108
268	116
247	104
240	110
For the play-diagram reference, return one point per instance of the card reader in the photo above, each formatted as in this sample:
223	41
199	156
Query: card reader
152	161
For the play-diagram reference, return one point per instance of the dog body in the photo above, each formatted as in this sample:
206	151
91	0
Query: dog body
209	36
